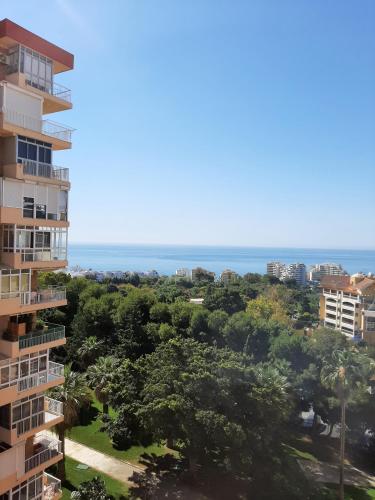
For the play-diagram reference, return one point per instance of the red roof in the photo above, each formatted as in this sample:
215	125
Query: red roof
9	30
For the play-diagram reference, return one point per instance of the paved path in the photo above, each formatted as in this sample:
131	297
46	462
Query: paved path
329	473
118	469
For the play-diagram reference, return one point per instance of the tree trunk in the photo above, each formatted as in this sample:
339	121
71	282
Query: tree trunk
105	408
61	465
170	443
342	448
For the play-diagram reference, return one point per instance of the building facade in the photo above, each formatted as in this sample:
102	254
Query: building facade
227	276
328	269
347	304
282	271
33	226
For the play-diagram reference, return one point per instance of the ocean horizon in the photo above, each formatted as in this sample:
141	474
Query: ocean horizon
167	258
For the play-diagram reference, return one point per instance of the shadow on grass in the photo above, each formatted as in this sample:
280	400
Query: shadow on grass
168	477
88	414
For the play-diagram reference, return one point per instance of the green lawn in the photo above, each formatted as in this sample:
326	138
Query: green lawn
74	477
90	435
294	452
355	492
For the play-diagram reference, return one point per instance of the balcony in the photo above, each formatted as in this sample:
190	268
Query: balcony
52	294
45	130
39	169
54	374
12	303
53	333
56	90
45	449
51	487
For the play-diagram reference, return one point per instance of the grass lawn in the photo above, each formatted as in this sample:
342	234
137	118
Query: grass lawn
355	492
74	477
294	452
89	434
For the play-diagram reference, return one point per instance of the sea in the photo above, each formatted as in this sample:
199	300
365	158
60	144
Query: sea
165	259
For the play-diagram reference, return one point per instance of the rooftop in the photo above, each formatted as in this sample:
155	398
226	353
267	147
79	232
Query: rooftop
12	34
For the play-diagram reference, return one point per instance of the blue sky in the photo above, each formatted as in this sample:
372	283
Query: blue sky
217	122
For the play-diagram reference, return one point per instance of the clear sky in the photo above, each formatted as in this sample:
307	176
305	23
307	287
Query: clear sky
217	122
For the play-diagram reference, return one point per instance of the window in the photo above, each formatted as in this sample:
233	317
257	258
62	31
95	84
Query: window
41	211
31	149
28	207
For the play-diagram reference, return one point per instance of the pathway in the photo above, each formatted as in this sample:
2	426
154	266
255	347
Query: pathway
329	473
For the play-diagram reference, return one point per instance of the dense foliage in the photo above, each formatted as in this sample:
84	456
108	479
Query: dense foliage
221	383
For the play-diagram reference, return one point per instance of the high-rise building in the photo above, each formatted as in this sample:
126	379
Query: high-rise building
282	271
327	269
33	225
227	276
275	269
347	304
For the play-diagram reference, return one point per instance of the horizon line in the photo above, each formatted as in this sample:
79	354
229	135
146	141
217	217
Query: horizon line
215	245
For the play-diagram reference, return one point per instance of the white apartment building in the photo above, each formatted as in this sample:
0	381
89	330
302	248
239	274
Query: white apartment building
347	304
326	269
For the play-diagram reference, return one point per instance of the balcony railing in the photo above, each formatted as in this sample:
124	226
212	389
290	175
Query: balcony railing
39	169
52	294
54	332
56	89
46	255
55	407
45	448
55	371
46	127
51	486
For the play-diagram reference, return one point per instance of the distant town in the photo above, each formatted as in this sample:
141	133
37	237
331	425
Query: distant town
298	272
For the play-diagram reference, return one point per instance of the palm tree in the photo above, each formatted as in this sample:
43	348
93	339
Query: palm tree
100	376
73	394
344	371
89	350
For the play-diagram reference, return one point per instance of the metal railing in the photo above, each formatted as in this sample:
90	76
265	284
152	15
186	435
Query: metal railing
49	448
54	406
41	296
39	169
54	332
54	371
46	127
51	486
55	89
61	92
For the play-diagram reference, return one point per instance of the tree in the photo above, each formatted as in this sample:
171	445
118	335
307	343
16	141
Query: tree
226	299
91	490
73	395
225	413
89	350
100	376
344	371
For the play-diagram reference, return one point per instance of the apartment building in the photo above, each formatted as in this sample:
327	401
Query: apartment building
347	304
282	271
327	269
227	276
275	268
33	226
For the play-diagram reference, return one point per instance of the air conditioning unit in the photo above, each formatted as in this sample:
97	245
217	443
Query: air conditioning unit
4	59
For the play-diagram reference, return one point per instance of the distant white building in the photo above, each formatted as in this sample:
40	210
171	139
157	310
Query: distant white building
275	269
183	272
327	269
198	302
296	271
